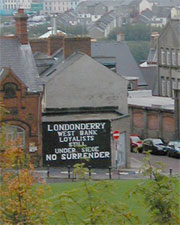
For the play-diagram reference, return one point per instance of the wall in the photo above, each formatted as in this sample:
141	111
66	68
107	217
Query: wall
39	45
47	45
154	123
122	125
25	112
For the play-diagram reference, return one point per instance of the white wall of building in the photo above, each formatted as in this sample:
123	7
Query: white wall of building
145	5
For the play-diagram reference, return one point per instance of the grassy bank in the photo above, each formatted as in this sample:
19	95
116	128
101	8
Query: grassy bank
120	192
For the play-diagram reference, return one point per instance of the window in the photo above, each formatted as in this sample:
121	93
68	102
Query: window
178	57
168	87
173	86
130	86
162	57
168	59
173	57
163	86
15	133
10	90
178	84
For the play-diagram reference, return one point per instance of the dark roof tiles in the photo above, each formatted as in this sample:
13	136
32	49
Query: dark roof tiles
125	63
20	60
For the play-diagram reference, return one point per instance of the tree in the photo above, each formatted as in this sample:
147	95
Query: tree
89	200
21	202
73	29
135	32
139	50
160	194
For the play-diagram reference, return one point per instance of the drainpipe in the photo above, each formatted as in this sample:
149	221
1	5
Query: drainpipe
177	113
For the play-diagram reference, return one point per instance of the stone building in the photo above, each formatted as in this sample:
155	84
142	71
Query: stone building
169	58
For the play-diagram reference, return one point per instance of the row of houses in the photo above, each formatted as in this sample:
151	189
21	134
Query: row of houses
63	93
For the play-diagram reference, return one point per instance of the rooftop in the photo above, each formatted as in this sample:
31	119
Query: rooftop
144	98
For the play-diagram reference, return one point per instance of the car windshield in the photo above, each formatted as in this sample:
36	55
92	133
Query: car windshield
174	143
135	138
157	141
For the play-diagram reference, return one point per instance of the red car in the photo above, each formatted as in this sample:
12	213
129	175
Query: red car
135	143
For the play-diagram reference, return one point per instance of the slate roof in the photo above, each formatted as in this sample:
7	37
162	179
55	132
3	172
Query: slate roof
150	74
45	62
168	3
20	60
125	63
175	23
103	22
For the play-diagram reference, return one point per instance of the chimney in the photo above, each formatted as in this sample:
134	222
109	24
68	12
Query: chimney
73	44
154	40
21	26
120	37
54	43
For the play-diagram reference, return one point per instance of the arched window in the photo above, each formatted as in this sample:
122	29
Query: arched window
15	133
10	90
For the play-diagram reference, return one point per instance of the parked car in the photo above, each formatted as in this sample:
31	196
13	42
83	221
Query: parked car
156	146
173	149
135	143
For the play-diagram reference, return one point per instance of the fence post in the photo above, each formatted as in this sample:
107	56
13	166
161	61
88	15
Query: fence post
69	171
48	171
110	172
170	171
89	168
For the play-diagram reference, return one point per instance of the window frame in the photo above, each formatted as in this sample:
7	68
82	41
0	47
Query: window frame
11	91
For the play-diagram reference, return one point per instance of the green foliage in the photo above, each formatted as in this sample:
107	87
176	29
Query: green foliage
137	37
19	203
139	50
135	32
73	30
160	194
87	204
113	34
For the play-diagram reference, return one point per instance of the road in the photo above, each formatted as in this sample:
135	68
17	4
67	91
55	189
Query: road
170	163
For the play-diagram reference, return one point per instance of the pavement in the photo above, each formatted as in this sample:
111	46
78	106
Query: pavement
52	175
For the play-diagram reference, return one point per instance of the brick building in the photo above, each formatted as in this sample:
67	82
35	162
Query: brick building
19	88
154	116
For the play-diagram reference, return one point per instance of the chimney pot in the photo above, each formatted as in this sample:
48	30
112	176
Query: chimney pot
21	11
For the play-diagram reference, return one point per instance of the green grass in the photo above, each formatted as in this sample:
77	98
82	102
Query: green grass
120	193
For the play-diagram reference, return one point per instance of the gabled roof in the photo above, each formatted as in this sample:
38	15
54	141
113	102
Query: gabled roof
103	22
80	81
20	60
125	63
175	23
